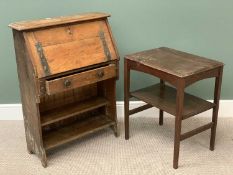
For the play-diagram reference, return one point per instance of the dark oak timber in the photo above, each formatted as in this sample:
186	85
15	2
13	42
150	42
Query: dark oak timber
179	69
162	86
217	91
196	131
126	96
139	109
165	99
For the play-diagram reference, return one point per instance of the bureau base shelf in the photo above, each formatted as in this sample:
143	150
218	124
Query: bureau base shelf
165	99
75	130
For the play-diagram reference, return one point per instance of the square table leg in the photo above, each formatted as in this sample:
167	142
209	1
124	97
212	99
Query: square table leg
217	91
162	84
126	97
178	122
160	117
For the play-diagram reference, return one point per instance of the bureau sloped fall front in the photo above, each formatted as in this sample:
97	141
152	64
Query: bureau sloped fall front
67	69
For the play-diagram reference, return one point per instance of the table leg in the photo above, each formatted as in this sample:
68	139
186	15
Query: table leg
178	122
160	117
126	97
217	91
162	84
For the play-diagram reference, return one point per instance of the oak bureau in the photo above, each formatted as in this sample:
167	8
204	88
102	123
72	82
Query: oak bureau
67	69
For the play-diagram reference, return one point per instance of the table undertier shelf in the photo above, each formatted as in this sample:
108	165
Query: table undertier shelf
76	130
165	99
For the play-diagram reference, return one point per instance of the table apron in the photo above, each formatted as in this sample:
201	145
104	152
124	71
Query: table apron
173	80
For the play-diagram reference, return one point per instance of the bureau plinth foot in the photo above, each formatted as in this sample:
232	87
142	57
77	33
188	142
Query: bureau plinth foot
44	163
30	151
115	130
43	158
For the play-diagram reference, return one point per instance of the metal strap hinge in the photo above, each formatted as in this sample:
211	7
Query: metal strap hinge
105	45
43	59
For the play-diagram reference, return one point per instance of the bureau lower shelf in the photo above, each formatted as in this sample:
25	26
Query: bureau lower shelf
67	111
76	130
165	99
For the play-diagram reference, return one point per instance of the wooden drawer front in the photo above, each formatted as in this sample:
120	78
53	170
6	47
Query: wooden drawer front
80	79
70	47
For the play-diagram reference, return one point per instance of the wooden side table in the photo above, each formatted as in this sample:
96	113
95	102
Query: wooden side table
180	70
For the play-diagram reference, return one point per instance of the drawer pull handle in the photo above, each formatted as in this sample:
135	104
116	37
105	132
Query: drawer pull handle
67	83
100	74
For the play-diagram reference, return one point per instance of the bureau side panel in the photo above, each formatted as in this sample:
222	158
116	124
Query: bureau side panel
28	89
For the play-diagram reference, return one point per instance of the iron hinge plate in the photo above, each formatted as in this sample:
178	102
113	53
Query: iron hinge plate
43	59
105	45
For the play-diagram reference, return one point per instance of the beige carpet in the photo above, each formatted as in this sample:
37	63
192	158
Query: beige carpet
149	151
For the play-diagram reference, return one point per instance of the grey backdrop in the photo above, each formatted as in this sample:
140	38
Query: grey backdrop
203	27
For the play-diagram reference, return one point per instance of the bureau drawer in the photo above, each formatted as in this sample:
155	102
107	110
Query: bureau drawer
80	79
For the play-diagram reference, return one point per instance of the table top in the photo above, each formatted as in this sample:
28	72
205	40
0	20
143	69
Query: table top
174	62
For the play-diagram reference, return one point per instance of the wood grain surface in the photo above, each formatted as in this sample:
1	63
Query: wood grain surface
174	62
40	23
67	69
